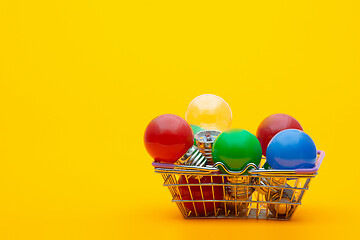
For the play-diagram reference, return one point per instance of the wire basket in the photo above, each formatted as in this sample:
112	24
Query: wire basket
204	192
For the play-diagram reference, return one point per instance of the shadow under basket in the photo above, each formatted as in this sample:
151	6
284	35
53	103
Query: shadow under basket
204	192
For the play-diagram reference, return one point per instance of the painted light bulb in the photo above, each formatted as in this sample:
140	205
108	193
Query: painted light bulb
210	112
272	125
236	148
169	138
291	149
195	130
201	193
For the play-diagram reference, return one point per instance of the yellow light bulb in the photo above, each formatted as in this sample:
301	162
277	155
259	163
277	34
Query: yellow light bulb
209	112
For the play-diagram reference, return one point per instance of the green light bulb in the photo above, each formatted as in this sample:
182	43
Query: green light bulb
195	130
236	148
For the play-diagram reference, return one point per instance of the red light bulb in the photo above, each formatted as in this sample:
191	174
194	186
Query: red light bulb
272	125
168	138
207	192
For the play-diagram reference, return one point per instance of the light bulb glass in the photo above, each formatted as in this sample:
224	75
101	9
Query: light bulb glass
209	112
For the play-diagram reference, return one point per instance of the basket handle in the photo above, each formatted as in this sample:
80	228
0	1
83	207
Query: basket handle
163	165
166	167
315	168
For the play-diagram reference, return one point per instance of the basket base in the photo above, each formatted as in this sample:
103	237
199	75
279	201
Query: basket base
241	215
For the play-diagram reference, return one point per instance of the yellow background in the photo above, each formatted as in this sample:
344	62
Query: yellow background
80	80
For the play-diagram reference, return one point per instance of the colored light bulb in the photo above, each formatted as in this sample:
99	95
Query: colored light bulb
291	149
195	130
236	148
273	124
168	138
209	112
205	193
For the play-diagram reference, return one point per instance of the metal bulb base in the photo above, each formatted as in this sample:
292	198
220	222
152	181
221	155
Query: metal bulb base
193	157
240	192
235	193
204	141
233	203
272	181
284	208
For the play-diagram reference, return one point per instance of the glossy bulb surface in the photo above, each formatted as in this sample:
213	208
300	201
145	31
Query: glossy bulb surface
272	125
291	149
210	112
207	191
167	138
236	148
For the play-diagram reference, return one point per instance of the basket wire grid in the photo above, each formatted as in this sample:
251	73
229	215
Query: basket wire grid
258	194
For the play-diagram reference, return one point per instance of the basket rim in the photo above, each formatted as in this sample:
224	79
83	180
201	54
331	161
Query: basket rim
255	171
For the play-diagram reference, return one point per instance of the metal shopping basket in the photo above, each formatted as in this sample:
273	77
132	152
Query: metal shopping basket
259	193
